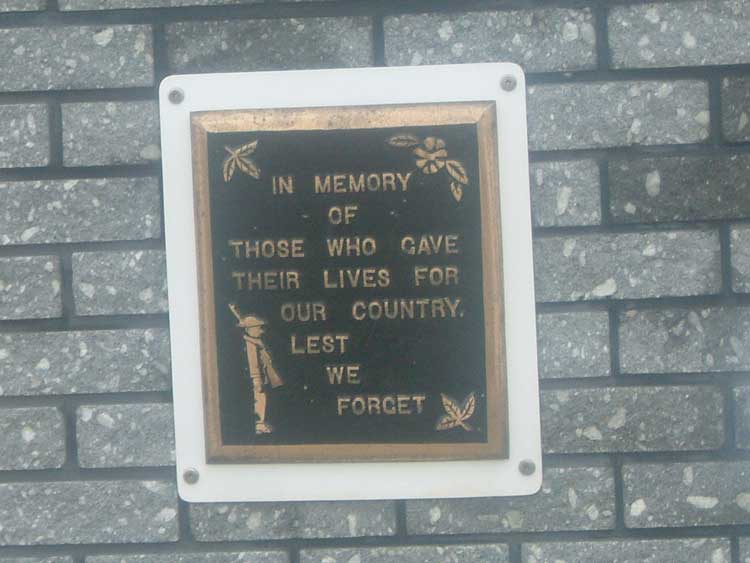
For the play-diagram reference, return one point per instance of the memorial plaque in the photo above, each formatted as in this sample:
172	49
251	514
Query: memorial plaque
351	296
350	283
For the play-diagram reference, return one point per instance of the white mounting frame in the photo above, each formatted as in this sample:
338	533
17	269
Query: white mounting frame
365	480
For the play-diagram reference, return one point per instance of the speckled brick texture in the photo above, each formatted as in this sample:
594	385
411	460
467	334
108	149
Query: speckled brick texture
713	550
69	57
679	34
574	498
112	283
685	340
542	40
93	209
573	344
31	438
224	46
565	194
24	135
45	513
133	4
686	494
742	414
138	435
632	419
680	188
256	521
617	266
610	114
110	133
30	287
412	554
740	249
638	126
22	5
255	556
91	361
735	108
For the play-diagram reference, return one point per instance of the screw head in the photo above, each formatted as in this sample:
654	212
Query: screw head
176	96
527	467
191	476
508	83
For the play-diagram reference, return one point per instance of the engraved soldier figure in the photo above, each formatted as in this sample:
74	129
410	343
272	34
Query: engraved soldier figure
260	365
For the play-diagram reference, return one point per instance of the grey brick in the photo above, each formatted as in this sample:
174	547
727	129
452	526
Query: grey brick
483	553
742	416
135	4
565	193
679	33
118	283
37	560
132	435
31	438
680	188
30	287
740	252
52	211
573	344
24	135
632	419
87	512
106	133
735	108
98	361
273	44
607	114
213	557
539	40
715	550
686	494
22	6
685	340
630	265
64	57
575	498
254	521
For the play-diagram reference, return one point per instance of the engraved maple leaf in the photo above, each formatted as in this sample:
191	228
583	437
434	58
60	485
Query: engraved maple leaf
456	415
238	158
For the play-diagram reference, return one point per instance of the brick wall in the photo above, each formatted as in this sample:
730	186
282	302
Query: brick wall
640	136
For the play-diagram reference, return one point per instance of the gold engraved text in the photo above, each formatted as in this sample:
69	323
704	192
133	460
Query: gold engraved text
268	280
304	311
343	373
400	309
319	343
429	245
356	277
268	248
435	275
380	404
361	183
351	246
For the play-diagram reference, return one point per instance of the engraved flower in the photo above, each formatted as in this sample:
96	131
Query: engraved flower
431	155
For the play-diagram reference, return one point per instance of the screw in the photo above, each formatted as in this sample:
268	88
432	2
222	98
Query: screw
176	96
191	476
527	467
508	83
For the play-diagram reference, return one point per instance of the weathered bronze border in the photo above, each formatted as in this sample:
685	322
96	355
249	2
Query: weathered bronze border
481	114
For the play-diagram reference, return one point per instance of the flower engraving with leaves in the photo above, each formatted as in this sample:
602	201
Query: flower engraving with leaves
456	415
238	158
431	157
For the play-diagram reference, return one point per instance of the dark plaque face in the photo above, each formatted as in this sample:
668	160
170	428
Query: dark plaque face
350	283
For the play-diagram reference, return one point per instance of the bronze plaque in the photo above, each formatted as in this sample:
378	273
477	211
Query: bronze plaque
350	283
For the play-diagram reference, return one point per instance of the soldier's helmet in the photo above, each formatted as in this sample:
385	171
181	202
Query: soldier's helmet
250	321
